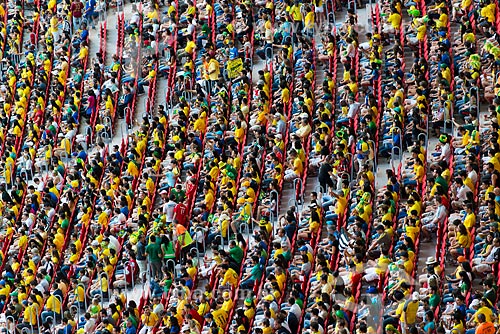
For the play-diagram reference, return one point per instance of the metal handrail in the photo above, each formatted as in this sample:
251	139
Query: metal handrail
88	134
399	156
53	320
173	266
13	322
352	162
425	138
301	186
245	232
106	138
197	253
44	167
64	156
277	196
73	307
131	275
169	101
188	95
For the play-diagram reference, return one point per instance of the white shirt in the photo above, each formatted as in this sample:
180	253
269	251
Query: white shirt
353	109
295	309
168	209
473	176
462	192
491	256
445	152
440	214
113	242
135	18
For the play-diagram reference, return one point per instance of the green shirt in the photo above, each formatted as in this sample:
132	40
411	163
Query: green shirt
256	272
179	194
154	252
168	250
237	254
442	182
434	300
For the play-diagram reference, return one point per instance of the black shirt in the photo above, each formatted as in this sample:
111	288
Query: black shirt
324	171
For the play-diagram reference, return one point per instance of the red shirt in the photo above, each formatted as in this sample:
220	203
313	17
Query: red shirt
181	213
76	9
196	316
190	190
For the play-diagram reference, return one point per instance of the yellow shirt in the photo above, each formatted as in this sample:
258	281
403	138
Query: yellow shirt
213	69
442	21
486	311
220	317
395	20
230	277
409	316
297	166
190	47
227	305
470	221
53	304
149	320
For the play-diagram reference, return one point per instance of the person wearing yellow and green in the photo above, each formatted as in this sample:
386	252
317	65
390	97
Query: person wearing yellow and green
184	238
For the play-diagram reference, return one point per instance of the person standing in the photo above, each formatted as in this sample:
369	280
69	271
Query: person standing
154	252
141	257
76	13
90	12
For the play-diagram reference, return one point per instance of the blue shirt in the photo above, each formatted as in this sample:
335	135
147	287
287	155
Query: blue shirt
131	330
233	53
90	7
84	35
124	210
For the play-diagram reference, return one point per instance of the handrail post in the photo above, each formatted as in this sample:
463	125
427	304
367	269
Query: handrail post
275	193
132	281
424	138
107	120
168	100
298	181
13	321
373	148
73	307
245	231
351	165
64	156
53	320
88	135
173	266
393	155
